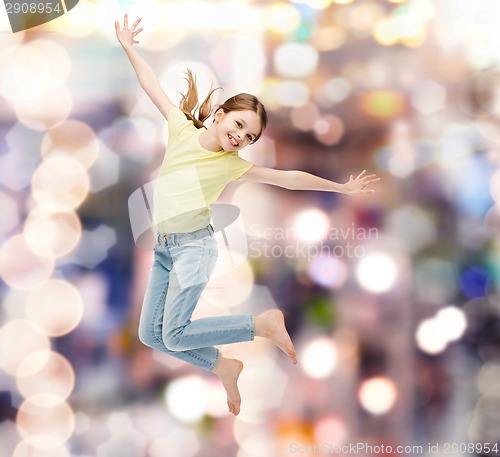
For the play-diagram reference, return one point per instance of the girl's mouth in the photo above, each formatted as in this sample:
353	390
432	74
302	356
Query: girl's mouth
232	140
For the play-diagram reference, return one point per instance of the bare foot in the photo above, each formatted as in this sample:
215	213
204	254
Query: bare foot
271	324
228	370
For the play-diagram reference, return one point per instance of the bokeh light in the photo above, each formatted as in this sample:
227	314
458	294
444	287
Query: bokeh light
60	184
319	357
40	446
50	234
328	271
55	377
311	225
281	17
45	414
431	337
376	272
13	349
72	138
20	267
186	398
331	429
295	60
56	306
377	395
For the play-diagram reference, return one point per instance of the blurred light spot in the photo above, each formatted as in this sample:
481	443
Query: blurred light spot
35	115
328	271
93	247
216	399
430	336
329	38
77	25
304	117
474	282
342	2
331	429
295	60
495	186
71	138
56	306
412	225
311	225
319	358
488	380
269	94
27	77
10	214
105	171
281	17
428	97
186	398
323	4
45	414
292	93
329	129
180	442
55	376
377	395
20	267
60	183
255	380
232	280
376	272
336	89
383	103
452	321
160	16
18	339
435	280
40	446
218	16
363	17
51	235
126	137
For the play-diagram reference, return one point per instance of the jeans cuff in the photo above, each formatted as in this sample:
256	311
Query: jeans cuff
214	363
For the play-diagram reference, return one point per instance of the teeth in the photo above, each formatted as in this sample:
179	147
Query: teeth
233	141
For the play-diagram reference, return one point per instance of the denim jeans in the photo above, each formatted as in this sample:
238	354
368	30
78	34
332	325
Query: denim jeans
183	263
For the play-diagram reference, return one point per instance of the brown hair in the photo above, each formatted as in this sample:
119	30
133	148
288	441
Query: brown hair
239	102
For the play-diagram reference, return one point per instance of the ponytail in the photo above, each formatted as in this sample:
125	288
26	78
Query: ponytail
189	102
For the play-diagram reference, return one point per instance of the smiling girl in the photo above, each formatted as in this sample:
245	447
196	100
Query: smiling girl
198	163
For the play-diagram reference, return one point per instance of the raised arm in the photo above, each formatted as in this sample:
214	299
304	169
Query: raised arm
300	180
147	78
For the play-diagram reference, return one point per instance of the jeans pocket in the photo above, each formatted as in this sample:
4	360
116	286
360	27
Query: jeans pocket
187	263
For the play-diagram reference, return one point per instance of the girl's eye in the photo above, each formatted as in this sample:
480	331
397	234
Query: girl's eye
249	137
238	124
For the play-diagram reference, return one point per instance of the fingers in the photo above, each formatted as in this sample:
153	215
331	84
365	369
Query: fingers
125	21
361	174
135	23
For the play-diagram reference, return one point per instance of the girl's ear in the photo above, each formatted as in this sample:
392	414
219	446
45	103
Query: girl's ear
219	114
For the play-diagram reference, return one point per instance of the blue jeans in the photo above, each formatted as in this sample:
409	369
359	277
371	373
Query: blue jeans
183	263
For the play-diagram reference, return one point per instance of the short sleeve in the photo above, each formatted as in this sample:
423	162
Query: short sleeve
177	121
237	166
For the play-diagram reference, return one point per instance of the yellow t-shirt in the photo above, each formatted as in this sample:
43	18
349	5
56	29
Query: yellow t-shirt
191	178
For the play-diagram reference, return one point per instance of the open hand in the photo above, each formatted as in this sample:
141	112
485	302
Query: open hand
126	36
356	186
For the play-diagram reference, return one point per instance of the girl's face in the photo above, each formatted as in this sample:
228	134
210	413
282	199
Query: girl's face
237	129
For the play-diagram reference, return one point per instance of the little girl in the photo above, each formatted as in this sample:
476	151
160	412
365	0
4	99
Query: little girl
198	164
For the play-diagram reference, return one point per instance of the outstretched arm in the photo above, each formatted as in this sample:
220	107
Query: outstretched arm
300	180
147	78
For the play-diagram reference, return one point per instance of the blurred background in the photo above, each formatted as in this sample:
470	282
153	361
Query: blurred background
391	299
